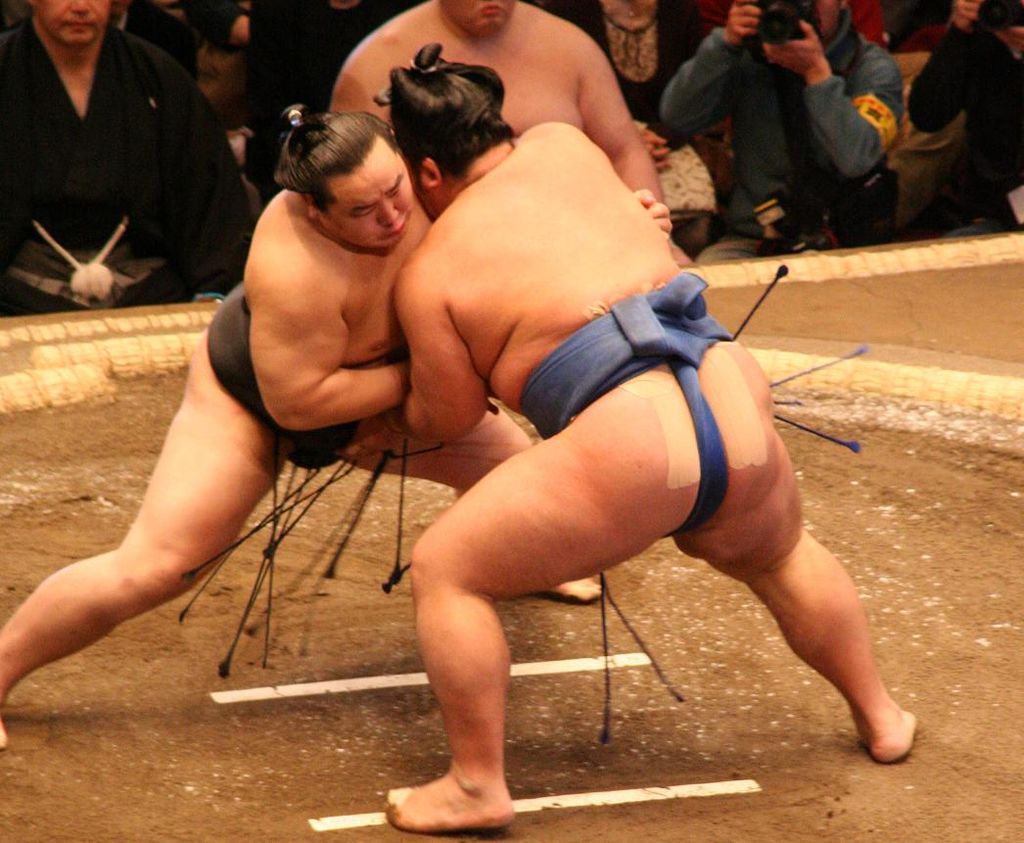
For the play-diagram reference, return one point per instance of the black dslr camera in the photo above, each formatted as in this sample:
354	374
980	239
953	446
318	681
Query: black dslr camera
994	15
780	19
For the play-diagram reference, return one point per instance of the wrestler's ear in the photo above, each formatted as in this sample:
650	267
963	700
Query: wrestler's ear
312	211
429	177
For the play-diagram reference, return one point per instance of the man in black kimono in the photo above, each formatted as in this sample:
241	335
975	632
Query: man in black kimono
117	185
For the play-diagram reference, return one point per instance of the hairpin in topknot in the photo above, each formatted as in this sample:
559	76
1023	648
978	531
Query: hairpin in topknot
295	115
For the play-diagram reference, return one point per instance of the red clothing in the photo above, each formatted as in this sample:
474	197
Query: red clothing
867	17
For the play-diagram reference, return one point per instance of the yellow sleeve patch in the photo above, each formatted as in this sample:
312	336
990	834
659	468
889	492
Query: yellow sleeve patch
879	115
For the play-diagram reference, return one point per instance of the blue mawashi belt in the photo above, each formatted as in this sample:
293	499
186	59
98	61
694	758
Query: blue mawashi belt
667	326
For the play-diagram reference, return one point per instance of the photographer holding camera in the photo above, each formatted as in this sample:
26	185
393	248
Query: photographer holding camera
814	106
977	68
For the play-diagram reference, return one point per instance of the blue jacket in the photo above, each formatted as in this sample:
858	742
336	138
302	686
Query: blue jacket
854	115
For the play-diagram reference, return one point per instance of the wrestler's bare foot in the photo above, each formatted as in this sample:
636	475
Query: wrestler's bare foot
889	741
3	736
450	804
586	590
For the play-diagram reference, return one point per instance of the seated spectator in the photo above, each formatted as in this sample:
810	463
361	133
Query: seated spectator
224	22
646	42
552	72
118	187
223	30
924	163
867	16
13	12
151	22
913	26
977	70
296	48
144	18
812	117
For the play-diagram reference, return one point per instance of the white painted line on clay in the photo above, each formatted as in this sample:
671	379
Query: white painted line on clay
402	680
348	821
571	800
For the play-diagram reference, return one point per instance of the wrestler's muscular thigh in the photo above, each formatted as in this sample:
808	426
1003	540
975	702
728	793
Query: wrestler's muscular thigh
759	521
215	465
213	468
582	501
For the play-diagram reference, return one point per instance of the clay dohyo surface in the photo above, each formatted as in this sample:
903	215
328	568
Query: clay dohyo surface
122	742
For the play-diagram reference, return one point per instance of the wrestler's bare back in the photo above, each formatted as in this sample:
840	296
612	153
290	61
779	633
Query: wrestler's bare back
585	230
563	213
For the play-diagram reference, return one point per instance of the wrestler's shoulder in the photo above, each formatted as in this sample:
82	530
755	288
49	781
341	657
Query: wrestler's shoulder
278	224
404	31
285	247
554	132
553	128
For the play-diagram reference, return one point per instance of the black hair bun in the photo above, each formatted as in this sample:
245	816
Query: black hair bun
427	59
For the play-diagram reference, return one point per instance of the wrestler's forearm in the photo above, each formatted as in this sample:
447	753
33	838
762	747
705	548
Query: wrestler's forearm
394	420
345	395
409	419
636	168
429	421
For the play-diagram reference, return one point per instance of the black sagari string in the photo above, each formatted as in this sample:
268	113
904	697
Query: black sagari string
606	595
780	273
398	571
288	507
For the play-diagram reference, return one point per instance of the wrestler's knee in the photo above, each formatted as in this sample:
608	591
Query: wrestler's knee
437	564
143	580
746	561
426	569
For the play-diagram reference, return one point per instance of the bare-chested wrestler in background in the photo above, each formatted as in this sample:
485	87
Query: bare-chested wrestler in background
552	70
326	352
504	298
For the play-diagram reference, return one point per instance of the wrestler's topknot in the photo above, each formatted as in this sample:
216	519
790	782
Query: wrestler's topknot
447	111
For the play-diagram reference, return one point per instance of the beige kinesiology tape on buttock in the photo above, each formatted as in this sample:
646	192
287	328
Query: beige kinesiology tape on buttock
662	390
736	412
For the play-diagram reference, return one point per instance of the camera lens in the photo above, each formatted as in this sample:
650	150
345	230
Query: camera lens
779	23
999	14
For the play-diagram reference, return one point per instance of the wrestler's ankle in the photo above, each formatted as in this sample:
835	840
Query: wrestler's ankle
468	787
876	719
479	784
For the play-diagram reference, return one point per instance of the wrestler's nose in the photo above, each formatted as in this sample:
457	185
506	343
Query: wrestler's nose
388	214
